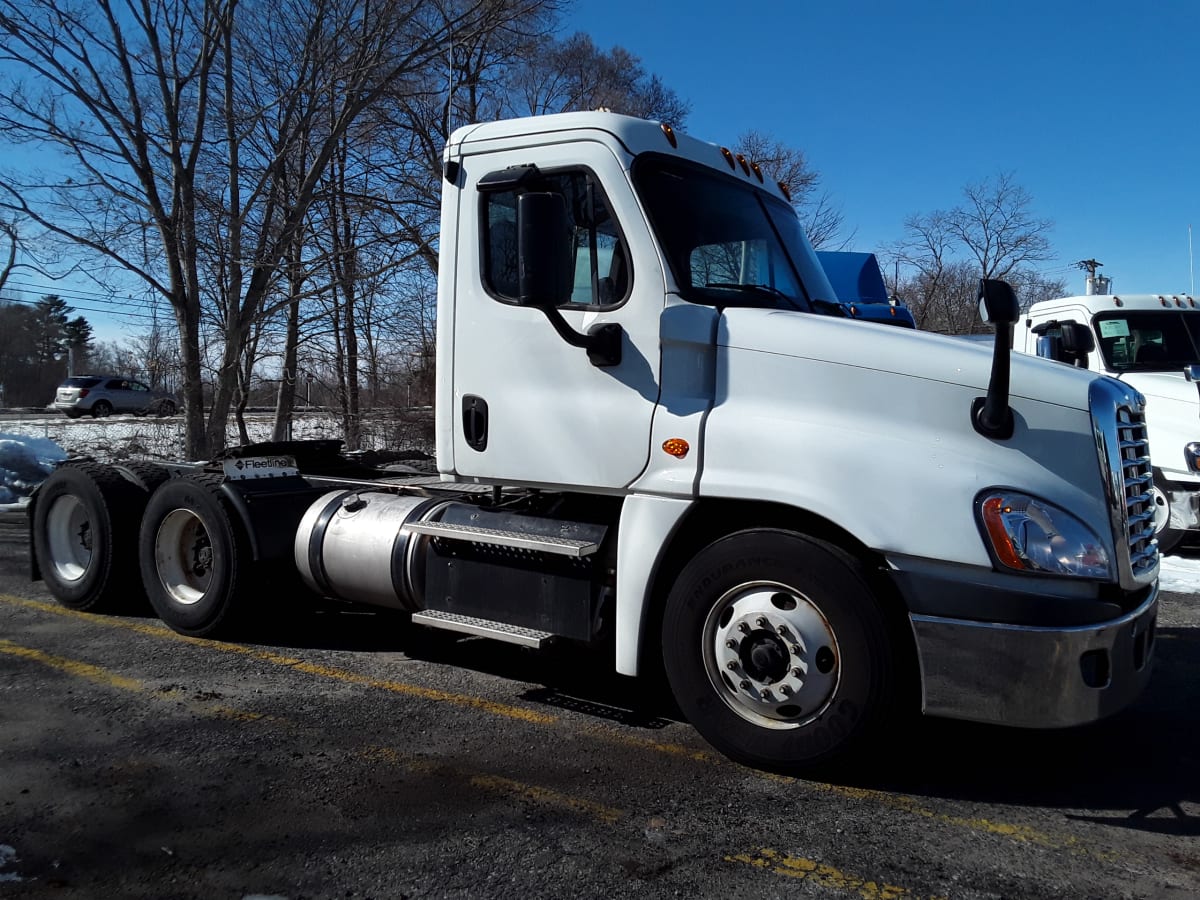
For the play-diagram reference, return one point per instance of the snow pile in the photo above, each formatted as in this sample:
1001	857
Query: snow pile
24	463
1180	574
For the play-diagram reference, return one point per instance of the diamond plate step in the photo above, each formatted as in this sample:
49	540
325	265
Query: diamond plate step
519	539
510	634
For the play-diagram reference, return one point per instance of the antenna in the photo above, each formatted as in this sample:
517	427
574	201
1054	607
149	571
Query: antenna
1191	272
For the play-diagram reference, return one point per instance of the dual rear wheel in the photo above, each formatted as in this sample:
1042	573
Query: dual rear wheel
106	539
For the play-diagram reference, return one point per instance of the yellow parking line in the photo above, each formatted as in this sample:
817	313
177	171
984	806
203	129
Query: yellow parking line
823	875
98	675
481	780
298	665
609	815
900	802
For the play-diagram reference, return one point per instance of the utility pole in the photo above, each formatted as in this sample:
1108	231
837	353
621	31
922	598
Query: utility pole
1090	266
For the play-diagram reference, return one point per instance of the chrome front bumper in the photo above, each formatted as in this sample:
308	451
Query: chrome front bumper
1034	677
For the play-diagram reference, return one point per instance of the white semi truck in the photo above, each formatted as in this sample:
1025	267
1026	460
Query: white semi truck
1151	342
649	437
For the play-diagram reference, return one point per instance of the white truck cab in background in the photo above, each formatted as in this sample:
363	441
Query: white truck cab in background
659	432
1150	342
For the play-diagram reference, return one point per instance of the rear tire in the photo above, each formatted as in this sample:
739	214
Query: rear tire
194	556
84	536
102	410
165	408
777	651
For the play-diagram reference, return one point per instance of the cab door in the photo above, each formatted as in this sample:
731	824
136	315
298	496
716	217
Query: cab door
529	407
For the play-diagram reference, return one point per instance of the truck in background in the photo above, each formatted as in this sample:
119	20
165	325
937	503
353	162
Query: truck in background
1150	342
862	293
648	441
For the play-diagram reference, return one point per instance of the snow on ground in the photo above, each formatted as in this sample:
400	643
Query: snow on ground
31	447
1180	574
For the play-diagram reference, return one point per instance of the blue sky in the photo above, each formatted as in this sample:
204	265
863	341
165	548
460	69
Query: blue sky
1095	106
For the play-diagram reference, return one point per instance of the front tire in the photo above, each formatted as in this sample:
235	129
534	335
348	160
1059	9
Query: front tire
102	410
777	651
1168	537
83	531
195	557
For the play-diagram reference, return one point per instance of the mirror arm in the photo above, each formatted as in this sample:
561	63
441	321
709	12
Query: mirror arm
602	342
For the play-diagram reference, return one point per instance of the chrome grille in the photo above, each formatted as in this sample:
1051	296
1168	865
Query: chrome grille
1119	421
1138	479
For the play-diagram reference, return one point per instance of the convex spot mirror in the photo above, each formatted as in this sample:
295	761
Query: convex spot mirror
545	252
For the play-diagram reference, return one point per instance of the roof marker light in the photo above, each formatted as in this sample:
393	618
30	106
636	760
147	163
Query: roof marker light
783	189
670	133
1163	300
1117	301
728	158
742	162
757	172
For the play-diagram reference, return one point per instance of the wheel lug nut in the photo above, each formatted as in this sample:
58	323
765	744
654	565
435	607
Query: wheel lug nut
731	644
796	649
783	630
786	690
796	672
732	665
744	685
766	693
743	628
761	621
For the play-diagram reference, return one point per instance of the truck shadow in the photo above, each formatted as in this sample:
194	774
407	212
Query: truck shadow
1136	770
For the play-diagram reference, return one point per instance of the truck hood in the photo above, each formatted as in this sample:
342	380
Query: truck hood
913	354
1164	386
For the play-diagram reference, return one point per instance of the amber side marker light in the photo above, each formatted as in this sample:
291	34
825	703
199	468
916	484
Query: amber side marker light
742	162
670	133
994	510
783	189
728	157
676	447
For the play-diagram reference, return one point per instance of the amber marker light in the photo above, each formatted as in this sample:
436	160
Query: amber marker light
670	133
783	189
677	447
993	511
757	171
742	162
728	157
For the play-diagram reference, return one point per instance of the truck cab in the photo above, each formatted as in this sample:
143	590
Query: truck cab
1150	342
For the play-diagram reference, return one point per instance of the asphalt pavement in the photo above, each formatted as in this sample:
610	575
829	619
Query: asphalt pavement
346	754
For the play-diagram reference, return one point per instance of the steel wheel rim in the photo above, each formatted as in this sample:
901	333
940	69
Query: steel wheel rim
183	556
1162	509
69	537
771	655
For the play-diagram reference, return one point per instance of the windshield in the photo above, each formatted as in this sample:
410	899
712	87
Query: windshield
728	244
1149	341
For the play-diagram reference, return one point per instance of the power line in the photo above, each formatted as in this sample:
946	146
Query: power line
122	314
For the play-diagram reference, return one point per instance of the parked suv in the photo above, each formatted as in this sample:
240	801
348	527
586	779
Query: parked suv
103	395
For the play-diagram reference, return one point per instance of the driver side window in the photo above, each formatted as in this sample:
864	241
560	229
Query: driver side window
600	265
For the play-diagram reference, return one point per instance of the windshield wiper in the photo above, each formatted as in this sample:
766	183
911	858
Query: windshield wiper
762	290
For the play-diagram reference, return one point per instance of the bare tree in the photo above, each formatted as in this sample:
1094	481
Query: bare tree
822	221
173	110
994	233
575	74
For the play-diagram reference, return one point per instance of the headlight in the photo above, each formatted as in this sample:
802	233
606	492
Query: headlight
1030	535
